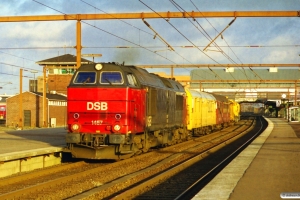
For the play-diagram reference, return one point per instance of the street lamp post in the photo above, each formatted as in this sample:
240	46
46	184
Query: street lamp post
286	105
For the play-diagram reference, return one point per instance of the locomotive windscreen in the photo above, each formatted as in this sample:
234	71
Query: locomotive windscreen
111	78
85	77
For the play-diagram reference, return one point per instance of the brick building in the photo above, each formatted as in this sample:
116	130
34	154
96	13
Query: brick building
32	106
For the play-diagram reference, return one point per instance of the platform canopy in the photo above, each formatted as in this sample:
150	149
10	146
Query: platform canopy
269	83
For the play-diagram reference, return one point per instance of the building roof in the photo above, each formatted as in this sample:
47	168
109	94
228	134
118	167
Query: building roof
245	74
3	98
66	59
59	97
223	78
52	96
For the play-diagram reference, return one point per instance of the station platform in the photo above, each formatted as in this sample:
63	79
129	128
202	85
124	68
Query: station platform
268	169
27	150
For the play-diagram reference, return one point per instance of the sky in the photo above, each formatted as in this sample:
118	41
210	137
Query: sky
22	44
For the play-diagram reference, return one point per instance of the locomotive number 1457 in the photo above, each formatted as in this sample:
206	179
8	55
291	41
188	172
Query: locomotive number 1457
97	122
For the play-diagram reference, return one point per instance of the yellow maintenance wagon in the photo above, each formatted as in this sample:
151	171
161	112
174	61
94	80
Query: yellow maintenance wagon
201	112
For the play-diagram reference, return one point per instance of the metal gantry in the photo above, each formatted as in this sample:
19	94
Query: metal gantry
152	15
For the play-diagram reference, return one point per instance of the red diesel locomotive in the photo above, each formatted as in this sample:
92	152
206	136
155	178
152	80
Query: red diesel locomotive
116	111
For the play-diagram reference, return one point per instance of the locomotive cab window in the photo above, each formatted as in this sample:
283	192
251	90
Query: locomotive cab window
85	78
112	78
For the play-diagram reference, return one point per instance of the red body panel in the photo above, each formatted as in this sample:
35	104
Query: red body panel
3	112
100	109
222	113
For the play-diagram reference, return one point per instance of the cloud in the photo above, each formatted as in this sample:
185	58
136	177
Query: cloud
38	33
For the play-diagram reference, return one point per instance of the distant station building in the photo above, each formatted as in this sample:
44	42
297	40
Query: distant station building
32	106
60	70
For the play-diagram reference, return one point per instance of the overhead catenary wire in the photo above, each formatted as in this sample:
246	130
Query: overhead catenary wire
212	41
175	46
205	34
231	48
127	41
15	75
216	75
244	72
116	18
94	26
25	68
129	23
143	31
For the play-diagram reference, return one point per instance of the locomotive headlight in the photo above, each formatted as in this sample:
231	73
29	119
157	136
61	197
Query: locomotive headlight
117	127
98	66
75	127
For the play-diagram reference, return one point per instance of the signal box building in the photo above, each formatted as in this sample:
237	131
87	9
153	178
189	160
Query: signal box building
60	70
32	110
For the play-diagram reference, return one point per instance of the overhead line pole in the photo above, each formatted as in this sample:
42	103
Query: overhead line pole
78	44
20	123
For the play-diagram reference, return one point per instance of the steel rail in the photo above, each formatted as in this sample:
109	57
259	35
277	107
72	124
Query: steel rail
133	192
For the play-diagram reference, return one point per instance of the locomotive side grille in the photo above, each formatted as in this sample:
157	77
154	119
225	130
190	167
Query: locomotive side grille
179	102
152	102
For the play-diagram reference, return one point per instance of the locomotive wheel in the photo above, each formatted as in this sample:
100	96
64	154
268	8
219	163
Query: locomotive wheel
144	150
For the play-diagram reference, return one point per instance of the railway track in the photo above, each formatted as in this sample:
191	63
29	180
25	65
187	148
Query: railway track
187	179
113	180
